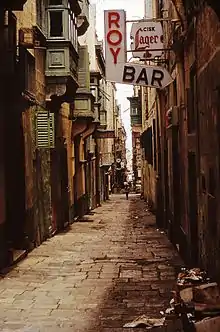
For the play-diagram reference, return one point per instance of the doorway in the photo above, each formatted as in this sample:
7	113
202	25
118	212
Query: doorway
64	187
176	185
193	216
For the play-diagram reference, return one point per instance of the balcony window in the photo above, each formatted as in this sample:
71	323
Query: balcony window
61	22
103	118
56	23
134	111
93	92
70	29
76	38
73	30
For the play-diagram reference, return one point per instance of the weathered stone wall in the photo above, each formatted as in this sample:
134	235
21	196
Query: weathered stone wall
3	253
27	17
66	133
38	212
208	80
149	184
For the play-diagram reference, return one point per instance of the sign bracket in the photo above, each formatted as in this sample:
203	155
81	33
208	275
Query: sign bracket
145	40
150	50
145	20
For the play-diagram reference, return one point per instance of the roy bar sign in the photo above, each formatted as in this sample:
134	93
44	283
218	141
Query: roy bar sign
152	76
135	74
117	68
115	41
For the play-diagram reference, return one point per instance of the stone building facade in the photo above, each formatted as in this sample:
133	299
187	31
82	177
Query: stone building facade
136	128
120	165
11	179
50	153
187	142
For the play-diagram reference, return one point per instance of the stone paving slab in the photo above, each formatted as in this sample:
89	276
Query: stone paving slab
103	273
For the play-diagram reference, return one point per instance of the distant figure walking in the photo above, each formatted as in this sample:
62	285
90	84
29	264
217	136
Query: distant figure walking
126	189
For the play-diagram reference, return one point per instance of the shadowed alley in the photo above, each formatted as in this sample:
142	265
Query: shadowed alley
108	269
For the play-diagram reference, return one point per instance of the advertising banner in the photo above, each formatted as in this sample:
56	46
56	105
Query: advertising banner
143	75
146	36
115	41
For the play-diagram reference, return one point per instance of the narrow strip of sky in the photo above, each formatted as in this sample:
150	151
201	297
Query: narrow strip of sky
134	10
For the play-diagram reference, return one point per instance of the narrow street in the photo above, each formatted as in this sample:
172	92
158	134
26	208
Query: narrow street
102	273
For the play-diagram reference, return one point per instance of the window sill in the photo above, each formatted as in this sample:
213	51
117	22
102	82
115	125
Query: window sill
56	38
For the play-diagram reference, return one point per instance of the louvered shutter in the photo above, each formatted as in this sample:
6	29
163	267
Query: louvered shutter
84	74
45	135
52	130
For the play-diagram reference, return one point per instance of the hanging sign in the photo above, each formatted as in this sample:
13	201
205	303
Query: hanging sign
146	36
135	74
115	41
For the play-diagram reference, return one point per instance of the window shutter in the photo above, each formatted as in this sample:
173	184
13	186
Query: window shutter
45	135
52	130
84	74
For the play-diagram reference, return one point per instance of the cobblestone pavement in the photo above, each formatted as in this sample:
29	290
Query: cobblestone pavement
105	271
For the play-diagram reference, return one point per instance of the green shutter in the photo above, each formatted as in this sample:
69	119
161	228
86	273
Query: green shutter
45	136
84	74
52	130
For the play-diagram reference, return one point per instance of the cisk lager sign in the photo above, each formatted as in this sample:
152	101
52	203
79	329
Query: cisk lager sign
115	41
117	70
146	36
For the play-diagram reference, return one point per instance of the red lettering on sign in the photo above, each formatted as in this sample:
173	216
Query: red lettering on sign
113	18
115	54
114	42
115	34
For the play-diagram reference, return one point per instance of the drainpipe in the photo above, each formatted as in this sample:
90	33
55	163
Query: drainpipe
97	154
198	128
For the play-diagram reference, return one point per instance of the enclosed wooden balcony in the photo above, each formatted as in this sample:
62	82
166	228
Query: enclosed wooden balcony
84	100
62	49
